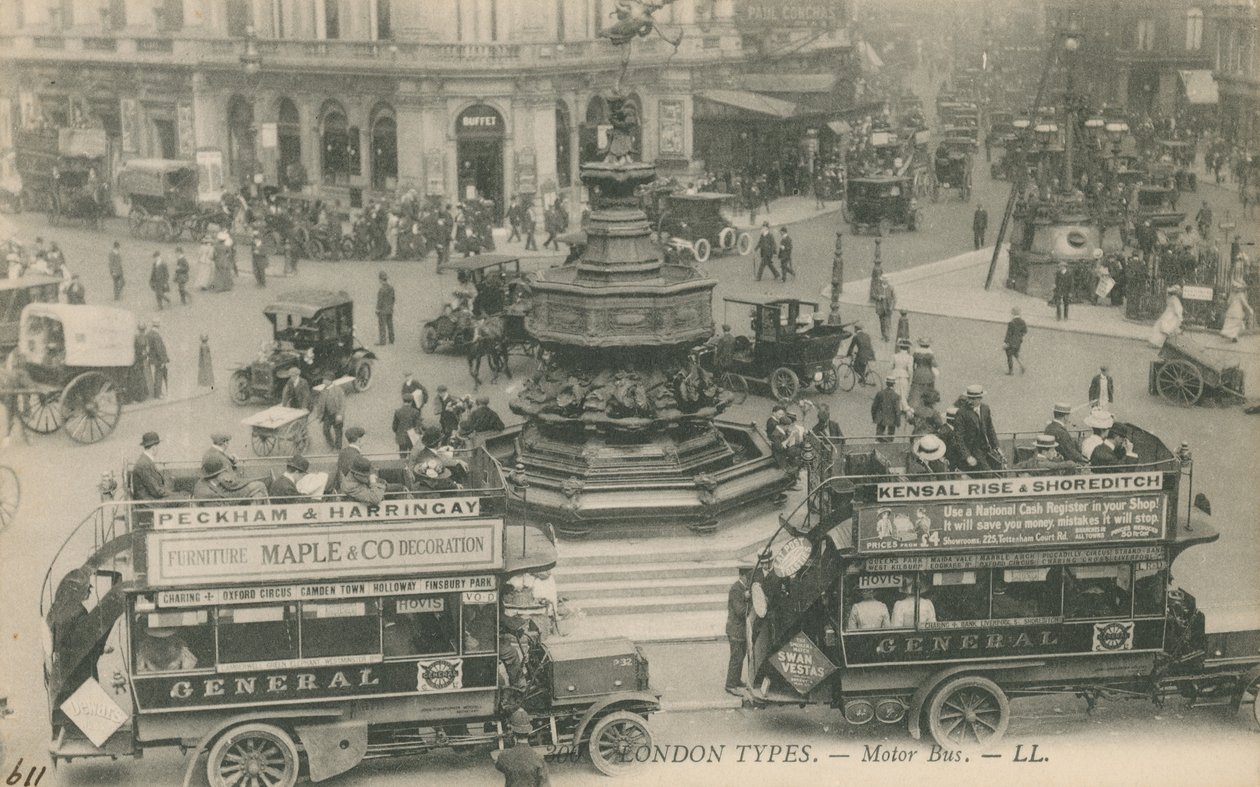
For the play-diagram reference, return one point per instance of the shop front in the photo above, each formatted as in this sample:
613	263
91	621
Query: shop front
479	139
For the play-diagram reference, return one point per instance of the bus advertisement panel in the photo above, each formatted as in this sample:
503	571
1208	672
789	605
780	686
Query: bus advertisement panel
1055	511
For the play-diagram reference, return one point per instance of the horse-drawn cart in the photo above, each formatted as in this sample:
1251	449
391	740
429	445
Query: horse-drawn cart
278	427
1186	371
70	367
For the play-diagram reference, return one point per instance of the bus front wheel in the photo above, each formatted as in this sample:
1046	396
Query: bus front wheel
968	712
253	754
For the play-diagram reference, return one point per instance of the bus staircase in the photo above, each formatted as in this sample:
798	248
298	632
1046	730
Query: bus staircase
101	544
659	586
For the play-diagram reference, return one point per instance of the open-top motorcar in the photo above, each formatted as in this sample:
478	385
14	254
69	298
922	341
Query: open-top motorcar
312	331
699	220
881	202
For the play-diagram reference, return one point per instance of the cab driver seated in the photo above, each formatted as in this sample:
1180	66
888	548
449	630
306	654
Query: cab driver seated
162	650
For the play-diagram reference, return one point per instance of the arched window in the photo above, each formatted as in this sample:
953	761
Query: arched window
384	148
1194	29
339	143
592	135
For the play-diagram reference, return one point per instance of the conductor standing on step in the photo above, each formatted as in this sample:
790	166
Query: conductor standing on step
736	629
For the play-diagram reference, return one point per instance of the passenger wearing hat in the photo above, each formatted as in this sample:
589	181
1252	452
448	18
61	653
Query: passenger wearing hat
767	247
886	410
483	419
737	597
163	650
903	615
927	457
1046	459
520	764
975	430
219	482
1115	451
1100	421
361	484
955	453
867	613
219	448
297	391
351	451
284	487
433	475
1016	330
147	481
1057	428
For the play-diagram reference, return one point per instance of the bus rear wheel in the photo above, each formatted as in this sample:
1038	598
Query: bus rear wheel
253	755
968	712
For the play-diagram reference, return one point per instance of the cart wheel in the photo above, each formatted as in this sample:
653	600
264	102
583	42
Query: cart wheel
253	754
846	378
429	339
830	381
315	249
968	711
701	250
10	496
736	384
616	739
300	437
1179	383
744	244
362	375
238	387
41	412
1252	691
784	384
92	407
263	443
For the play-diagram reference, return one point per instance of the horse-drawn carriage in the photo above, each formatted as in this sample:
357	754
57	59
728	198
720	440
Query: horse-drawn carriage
70	368
1185	372
78	192
790	348
951	167
163	198
486	316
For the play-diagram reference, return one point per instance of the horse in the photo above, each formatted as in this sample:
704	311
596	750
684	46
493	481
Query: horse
488	342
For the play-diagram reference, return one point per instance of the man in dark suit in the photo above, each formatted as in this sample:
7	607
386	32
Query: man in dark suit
1016	330
979	439
484	419
785	253
1112	454
979	223
147	481
766	249
736	629
385	311
886	410
351	451
1057	428
406	421
157	358
1062	291
283	488
520	765
1102	389
861	351
955	452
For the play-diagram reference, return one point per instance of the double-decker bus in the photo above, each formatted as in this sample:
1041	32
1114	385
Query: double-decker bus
279	639
933	599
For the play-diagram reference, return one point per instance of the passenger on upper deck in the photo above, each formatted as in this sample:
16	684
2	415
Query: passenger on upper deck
431	475
219	482
975	427
1046	460
955	453
147	481
1115	451
283	488
219	448
927	457
1100	421
1057	428
869	613
362	485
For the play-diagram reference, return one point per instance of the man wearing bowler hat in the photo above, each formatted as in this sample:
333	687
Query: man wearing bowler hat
147	481
284	489
886	410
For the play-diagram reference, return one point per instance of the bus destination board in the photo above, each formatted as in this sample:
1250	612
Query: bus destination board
1051	511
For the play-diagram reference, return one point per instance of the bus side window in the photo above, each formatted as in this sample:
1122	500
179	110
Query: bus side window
341	629
420	625
1026	593
960	595
1149	586
480	621
1097	591
868	600
173	641
258	633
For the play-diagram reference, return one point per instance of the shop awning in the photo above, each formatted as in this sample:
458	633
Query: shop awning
1200	86
750	102
789	83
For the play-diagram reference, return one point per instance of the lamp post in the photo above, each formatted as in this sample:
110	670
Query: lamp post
251	65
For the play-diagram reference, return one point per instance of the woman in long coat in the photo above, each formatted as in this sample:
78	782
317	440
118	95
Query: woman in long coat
923	374
223	267
1238	311
1169	323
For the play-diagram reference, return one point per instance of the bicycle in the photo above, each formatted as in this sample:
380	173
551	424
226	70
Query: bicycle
848	377
735	383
